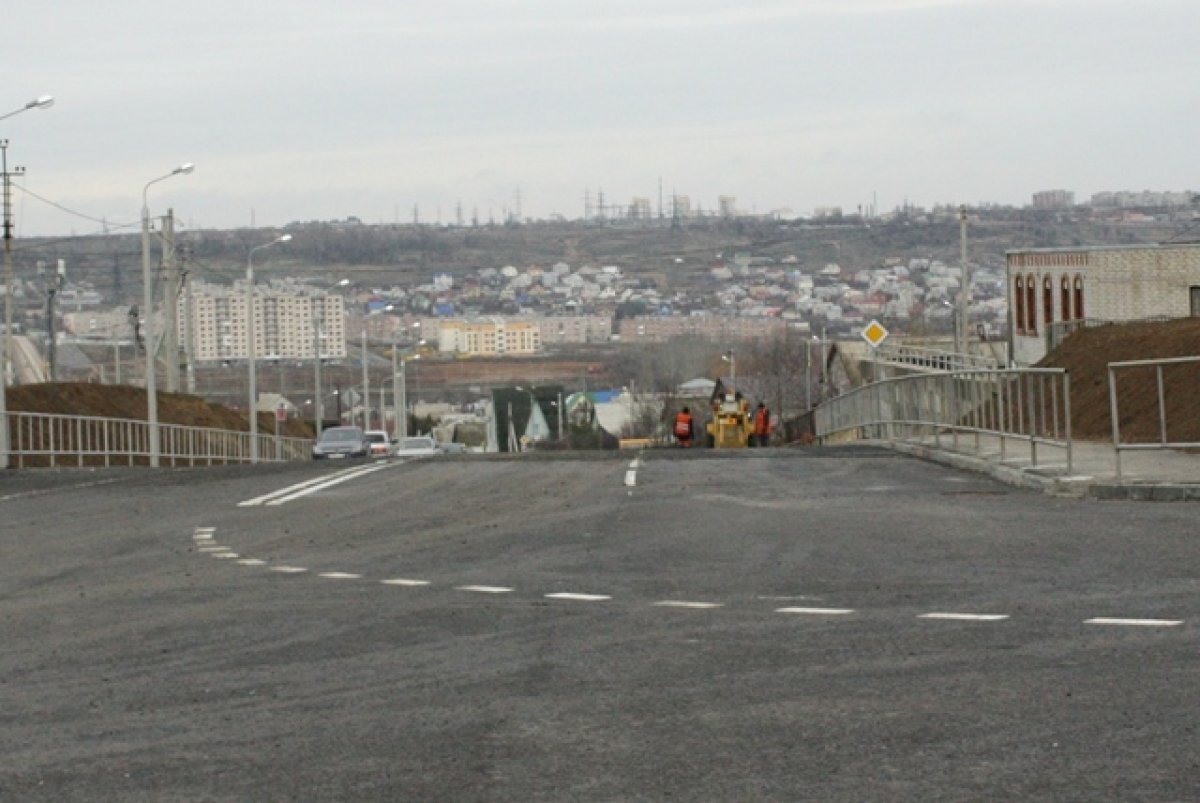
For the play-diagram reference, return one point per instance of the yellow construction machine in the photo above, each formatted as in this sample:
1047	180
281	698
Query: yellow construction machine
731	424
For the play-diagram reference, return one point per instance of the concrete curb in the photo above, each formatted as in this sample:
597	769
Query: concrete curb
1052	481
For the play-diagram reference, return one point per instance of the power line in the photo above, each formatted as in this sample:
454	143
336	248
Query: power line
78	214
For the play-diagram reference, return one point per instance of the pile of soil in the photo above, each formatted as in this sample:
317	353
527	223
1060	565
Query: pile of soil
1086	355
123	401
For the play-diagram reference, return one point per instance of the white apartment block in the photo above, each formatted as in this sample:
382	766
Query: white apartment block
289	320
1049	288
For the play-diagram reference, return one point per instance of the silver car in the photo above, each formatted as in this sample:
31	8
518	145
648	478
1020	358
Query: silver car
419	446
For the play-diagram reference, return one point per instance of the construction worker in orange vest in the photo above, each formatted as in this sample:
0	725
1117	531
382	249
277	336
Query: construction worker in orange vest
685	428
762	425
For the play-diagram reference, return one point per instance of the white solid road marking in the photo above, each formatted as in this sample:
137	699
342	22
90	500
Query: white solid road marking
340	576
966	617
672	603
289	569
579	597
251	562
817	611
401	581
485	589
1135	622
310	486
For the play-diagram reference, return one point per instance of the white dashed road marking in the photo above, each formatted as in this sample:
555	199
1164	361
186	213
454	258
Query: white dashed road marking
817	611
671	603
204	538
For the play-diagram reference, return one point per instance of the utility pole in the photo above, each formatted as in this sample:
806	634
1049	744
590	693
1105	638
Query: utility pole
55	285
366	397
189	336
961	331
6	376
173	286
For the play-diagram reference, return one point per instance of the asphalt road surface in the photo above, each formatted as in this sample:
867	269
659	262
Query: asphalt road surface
773	625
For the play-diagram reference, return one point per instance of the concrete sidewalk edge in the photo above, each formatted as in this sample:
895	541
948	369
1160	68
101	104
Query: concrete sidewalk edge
1048	480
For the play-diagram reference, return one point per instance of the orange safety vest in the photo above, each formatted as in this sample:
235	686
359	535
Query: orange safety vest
762	421
683	425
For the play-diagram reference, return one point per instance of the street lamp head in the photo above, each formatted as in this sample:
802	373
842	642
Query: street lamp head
184	169
43	102
283	238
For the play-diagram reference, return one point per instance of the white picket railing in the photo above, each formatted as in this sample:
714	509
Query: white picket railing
50	440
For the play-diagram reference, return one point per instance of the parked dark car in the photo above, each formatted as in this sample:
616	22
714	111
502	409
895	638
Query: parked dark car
341	442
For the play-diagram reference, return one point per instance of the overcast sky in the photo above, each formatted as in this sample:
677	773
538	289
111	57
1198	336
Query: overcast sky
302	110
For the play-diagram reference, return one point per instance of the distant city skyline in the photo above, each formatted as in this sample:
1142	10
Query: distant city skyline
302	111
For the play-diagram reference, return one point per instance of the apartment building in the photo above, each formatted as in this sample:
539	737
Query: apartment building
289	320
561	330
489	337
659	328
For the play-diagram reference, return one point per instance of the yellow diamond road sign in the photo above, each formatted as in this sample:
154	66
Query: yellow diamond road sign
874	334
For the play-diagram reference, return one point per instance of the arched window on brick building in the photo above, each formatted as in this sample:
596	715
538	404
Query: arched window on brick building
1078	296
1019	304
1048	301
1065	298
1031	326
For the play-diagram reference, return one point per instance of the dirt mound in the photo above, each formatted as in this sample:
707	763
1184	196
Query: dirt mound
122	401
1086	355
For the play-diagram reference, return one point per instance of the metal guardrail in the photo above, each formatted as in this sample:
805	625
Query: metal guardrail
1162	442
933	359
50	440
1029	405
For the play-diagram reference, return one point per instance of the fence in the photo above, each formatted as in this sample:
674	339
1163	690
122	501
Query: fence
1162	442
1026	405
935	359
44	439
1058	331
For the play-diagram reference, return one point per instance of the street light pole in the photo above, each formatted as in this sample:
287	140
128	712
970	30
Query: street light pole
366	382
250	345
318	322
43	102
148	313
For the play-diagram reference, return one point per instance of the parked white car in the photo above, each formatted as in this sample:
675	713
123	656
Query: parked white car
380	443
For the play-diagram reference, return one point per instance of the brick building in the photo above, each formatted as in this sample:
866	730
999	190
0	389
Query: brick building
1051	290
